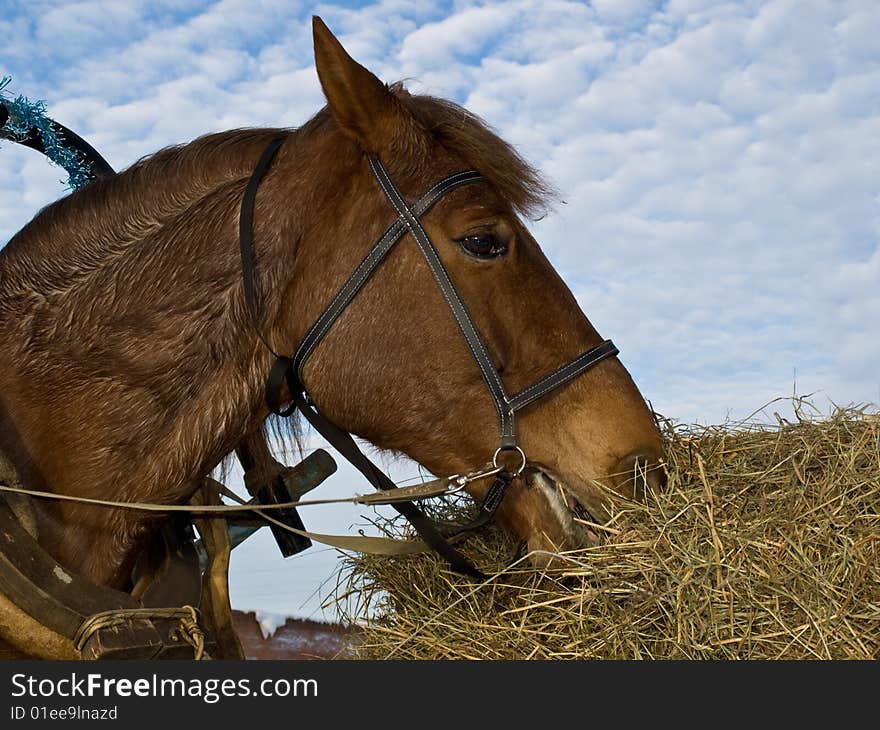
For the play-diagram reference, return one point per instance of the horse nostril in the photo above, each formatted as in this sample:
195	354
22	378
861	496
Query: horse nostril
637	473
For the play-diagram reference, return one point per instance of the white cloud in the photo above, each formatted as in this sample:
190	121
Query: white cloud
86	23
618	11
464	34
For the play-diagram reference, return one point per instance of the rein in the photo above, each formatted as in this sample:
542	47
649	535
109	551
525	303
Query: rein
425	490
360	543
289	371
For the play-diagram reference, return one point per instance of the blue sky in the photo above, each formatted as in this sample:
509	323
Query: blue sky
719	162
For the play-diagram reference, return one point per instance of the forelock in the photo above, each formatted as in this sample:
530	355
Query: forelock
470	138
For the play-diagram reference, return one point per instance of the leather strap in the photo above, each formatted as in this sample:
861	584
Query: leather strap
358	543
489	506
246	239
343	442
567	372
459	311
368	265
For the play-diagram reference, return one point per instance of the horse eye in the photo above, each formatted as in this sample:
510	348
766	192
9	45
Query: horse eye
483	245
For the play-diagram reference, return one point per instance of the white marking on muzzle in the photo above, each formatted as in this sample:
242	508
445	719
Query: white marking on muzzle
553	493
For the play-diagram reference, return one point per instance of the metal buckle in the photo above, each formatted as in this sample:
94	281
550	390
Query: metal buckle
462	480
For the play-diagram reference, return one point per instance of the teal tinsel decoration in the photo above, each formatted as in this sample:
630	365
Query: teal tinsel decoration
25	115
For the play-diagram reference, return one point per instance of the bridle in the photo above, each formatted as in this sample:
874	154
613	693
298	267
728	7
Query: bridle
289	370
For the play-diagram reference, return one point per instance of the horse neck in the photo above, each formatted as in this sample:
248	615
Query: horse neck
225	342
221	361
156	246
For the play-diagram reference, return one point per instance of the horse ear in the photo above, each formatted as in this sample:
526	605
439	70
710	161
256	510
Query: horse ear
363	106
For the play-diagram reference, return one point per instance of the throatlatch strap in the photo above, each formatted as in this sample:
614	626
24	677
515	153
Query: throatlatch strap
278	377
246	239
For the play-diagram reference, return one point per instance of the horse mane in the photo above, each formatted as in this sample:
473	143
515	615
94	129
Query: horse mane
90	229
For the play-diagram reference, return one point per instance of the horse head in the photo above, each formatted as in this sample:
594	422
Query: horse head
395	369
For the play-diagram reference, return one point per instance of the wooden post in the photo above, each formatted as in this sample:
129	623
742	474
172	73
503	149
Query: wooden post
215	606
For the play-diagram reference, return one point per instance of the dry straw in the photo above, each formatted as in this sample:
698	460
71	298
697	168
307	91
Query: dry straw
765	544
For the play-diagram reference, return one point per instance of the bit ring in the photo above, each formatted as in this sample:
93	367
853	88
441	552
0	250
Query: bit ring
521	453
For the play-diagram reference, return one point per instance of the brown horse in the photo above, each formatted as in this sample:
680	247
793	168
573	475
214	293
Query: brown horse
130	366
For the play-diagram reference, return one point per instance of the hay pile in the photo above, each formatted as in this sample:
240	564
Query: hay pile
765	544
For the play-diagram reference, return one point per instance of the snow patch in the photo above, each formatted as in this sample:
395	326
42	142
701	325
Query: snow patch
269	623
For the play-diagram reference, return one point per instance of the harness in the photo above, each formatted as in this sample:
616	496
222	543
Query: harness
289	370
